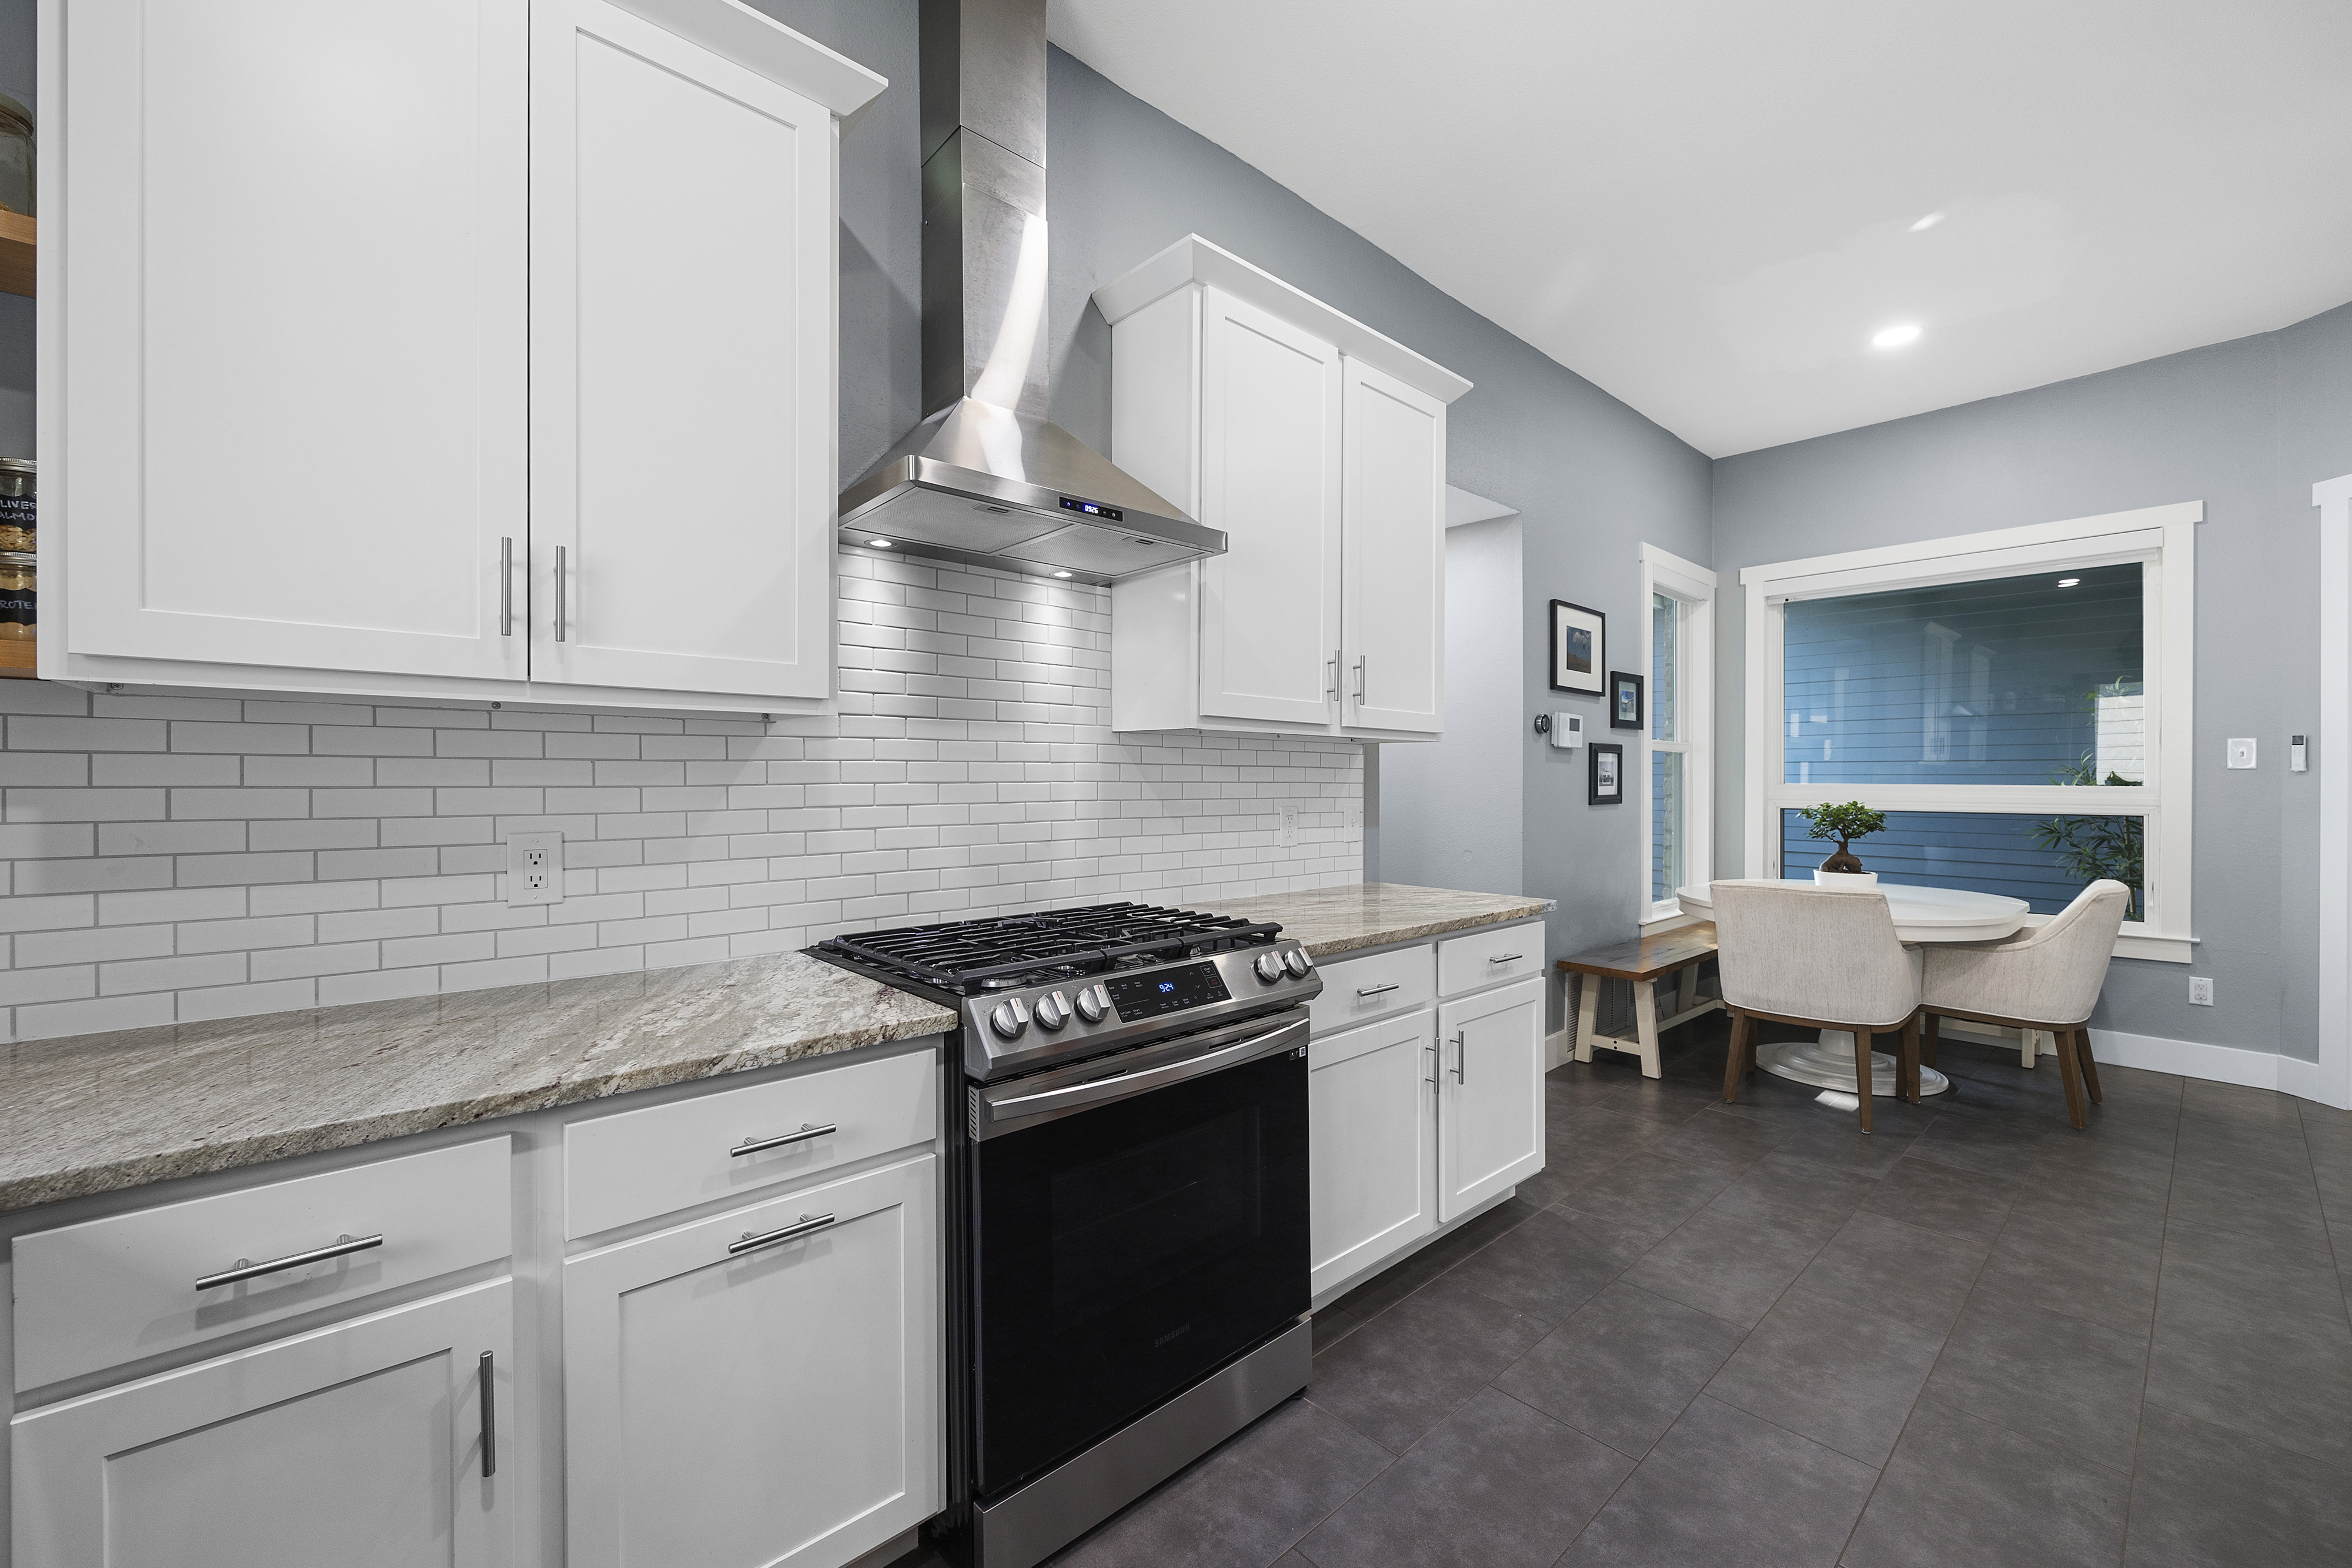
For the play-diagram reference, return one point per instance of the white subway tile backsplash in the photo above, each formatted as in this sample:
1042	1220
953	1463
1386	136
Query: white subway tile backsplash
187	858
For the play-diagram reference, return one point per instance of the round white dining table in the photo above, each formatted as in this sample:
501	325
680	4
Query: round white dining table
1921	914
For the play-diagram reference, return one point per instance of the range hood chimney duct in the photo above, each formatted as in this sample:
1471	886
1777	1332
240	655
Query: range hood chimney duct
987	478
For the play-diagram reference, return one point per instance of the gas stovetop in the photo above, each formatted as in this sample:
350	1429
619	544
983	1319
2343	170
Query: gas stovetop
1037	990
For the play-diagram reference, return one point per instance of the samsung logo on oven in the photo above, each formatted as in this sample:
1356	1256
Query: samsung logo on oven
1171	1333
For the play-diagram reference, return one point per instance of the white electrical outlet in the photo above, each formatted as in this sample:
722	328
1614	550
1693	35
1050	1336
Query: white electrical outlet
534	869
2200	992
1287	834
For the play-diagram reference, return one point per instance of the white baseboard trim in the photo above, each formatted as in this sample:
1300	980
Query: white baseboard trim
1556	1048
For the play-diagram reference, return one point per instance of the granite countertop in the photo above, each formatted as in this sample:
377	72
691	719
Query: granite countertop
1330	920
95	1112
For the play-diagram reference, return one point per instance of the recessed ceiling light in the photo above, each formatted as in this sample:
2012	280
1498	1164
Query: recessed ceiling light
1896	336
879	544
2069	581
1930	221
1061	574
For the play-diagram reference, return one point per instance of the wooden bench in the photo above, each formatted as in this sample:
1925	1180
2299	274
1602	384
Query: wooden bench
1642	962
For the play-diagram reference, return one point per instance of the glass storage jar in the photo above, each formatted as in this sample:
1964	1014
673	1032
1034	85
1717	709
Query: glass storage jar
18	500
18	597
16	156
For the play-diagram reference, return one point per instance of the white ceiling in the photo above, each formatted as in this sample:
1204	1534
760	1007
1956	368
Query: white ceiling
1706	207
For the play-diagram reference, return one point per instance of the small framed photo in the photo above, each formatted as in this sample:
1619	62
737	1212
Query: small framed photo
1607	785
1625	700
1577	656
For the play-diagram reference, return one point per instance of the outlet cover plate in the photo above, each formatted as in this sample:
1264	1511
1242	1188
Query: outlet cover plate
2200	992
534	869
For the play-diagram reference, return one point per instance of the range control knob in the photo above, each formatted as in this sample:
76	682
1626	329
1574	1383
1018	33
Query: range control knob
1300	965
1009	1019
1052	1012
1268	967
1094	1004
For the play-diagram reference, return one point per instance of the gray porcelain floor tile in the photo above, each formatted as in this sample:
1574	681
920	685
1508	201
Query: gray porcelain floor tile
1401	1280
1549	1266
1648	1194
1408	1369
2229	1278
1843	1374
1732	1258
2072	1268
1724	1489
1785	1181
2062	1379
1836	1143
2285	1212
1245	1504
2287	1381
1332	1325
1665	1104
1887	1266
1497	1484
1990	1146
1717	1140
1933	1197
1963	1490
2205	1497
1623	1367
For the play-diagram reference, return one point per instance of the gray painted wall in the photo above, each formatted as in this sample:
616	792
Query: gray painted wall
1451	810
2247	427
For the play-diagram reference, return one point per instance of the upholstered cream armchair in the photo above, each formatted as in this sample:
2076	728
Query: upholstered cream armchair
2047	977
1818	957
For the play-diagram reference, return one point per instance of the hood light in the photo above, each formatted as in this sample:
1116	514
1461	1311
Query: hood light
879	544
1896	336
2069	581
1061	574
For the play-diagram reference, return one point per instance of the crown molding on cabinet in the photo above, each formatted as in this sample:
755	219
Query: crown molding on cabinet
758	44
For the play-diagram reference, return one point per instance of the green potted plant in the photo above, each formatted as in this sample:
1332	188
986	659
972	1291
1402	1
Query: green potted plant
1845	823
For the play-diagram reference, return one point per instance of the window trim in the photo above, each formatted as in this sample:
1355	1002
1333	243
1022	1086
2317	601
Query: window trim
2162	537
1694	586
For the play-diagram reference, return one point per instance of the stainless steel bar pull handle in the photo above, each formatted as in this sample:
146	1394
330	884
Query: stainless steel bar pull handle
1331	677
1506	957
488	1373
802	1226
559	593
1360	679
506	587
808	1130
341	1247
1436	1067
1376	990
1462	1056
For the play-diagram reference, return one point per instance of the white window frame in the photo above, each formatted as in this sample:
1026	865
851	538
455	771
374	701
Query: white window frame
2162	539
1693	587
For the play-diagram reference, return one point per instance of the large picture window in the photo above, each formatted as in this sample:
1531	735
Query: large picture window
2017	703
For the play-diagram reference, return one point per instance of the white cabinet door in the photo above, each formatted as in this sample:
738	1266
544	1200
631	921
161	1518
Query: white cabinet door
362	1444
294	329
1372	1144
1394	627
1270	478
779	1405
682	275
1490	1101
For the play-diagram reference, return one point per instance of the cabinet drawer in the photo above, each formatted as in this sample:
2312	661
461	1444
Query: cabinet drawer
641	1164
1490	957
110	1290
1357	990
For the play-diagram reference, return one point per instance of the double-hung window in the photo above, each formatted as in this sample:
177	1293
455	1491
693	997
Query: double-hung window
2017	703
1674	749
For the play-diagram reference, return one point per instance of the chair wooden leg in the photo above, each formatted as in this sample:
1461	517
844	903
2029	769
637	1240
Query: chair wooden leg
1646	1026
2090	1067
1929	1024
1907	1074
1862	1076
2071	1072
1735	1058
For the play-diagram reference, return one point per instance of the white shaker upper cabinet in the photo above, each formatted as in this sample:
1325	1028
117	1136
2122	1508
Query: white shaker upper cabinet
1394	552
291	372
1319	446
683	280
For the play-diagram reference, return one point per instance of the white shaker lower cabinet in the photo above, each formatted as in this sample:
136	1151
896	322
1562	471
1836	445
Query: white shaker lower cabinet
1373	1152
362	1443
1490	1096
776	1405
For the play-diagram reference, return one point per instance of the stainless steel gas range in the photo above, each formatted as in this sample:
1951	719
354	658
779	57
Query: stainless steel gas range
1128	1208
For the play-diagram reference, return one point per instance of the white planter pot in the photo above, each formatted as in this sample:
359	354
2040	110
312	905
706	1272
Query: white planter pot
1845	879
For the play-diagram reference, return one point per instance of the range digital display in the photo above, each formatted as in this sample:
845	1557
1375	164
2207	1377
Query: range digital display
1167	991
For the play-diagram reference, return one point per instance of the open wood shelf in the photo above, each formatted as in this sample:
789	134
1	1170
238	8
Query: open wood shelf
16	253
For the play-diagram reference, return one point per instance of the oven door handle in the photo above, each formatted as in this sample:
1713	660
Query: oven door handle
1124	1085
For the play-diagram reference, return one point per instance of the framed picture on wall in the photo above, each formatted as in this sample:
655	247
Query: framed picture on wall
1577	656
1625	700
1607	784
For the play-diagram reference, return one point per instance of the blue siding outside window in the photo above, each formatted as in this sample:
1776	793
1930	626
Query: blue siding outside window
1980	852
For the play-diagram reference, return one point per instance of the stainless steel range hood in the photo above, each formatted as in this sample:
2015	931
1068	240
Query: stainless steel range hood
987	478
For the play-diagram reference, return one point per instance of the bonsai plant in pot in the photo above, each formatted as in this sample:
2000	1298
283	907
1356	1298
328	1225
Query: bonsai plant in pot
1845	823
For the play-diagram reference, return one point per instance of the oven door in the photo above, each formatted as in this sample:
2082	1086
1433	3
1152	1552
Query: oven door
1139	1221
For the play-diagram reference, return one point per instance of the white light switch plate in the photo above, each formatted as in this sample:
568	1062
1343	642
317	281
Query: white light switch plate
2242	752
534	869
1286	835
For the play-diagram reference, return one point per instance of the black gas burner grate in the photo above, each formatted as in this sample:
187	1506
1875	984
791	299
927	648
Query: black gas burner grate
971	957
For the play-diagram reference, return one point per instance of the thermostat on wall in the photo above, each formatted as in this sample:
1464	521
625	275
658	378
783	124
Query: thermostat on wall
1566	730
